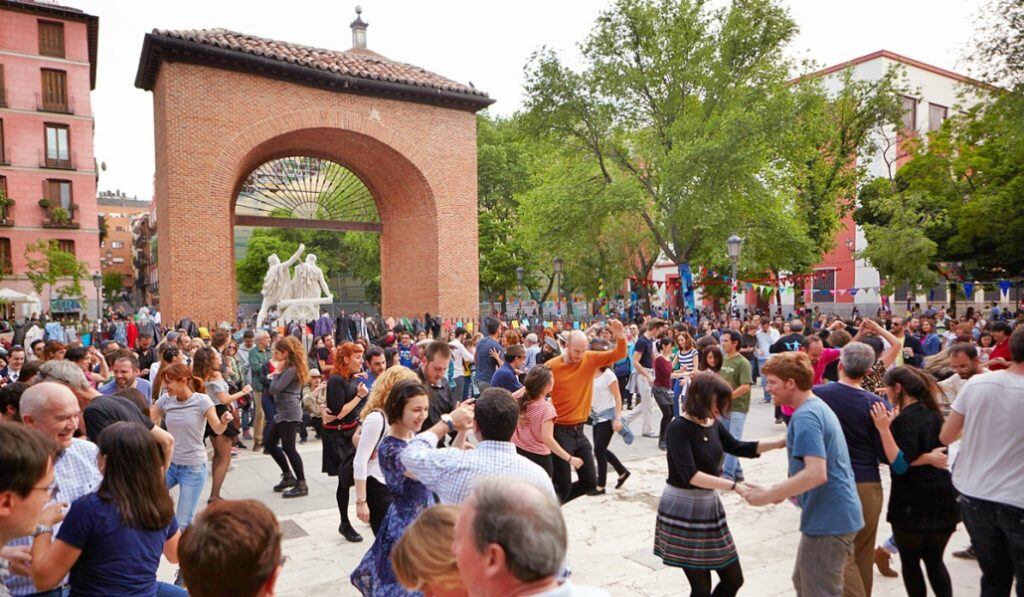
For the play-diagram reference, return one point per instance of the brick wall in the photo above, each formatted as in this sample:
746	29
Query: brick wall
213	127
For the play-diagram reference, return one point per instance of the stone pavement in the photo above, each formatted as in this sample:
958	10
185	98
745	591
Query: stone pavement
610	537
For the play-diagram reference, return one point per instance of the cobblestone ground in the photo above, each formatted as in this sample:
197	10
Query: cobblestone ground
611	536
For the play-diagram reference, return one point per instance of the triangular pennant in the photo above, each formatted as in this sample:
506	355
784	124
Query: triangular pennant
969	289
1004	286
853	291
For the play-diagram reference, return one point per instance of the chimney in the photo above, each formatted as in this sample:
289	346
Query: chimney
358	29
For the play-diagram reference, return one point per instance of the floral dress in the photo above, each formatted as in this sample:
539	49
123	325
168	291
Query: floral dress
374	575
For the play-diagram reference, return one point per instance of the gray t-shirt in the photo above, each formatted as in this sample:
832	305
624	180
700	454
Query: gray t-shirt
186	421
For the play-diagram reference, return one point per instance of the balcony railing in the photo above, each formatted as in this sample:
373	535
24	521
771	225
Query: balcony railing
49	104
7	212
55	216
68	163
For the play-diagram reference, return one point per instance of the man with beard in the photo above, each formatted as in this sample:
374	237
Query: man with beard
126	375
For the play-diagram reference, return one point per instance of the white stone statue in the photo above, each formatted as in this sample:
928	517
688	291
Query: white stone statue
276	283
304	296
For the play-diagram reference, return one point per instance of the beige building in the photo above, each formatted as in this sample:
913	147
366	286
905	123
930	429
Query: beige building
117	210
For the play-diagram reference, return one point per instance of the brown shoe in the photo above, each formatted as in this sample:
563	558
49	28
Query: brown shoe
882	558
257	446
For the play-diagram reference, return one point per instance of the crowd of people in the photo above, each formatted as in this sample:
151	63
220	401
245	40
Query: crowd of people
464	440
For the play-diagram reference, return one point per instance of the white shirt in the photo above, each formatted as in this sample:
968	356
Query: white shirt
990	464
765	341
603	397
459	354
951	387
365	463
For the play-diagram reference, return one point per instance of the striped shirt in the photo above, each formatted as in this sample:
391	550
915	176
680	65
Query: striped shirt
528	434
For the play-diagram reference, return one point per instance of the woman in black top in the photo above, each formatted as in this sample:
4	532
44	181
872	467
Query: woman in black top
691	532
346	396
922	501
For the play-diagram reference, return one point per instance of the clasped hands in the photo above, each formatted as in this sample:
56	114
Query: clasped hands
756	495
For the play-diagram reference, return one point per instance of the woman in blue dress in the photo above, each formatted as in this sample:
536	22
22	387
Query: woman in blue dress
407	408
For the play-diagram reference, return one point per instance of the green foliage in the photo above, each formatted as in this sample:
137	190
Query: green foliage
250	270
46	265
60	215
113	284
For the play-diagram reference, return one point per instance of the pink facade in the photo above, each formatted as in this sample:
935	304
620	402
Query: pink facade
28	171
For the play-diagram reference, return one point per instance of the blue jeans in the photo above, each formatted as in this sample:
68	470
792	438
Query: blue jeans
164	589
734	423
997	535
764	381
192	479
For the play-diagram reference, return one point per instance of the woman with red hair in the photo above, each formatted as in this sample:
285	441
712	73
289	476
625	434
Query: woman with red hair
346	395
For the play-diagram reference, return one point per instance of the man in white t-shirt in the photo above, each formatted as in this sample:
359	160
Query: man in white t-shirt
989	468
460	355
766	336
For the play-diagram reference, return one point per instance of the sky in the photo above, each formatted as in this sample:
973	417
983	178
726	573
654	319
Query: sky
487	43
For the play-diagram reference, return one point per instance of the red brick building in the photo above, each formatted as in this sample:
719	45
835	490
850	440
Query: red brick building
47	170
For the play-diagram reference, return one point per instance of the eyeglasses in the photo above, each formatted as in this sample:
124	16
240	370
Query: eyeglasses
51	490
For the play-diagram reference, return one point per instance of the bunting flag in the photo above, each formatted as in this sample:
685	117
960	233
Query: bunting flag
969	289
840	292
515	324
1004	286
853	291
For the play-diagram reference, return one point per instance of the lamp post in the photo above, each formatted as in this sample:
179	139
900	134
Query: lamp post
519	279
733	245
97	281
558	286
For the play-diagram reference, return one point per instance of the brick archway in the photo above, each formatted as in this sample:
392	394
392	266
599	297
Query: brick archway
216	120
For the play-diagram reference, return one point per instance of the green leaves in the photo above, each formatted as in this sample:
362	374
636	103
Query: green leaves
46	265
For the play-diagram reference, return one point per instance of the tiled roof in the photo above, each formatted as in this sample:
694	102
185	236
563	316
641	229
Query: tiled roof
357	62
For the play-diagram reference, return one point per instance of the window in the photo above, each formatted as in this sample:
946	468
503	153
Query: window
68	246
3	90
118	228
823	285
909	114
3	192
55	90
51	39
117	260
3	148
59	194
5	256
117	244
936	114
58	155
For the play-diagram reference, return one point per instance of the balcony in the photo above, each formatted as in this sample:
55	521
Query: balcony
67	163
6	211
56	105
55	216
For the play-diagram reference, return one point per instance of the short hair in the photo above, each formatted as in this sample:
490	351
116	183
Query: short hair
965	349
423	554
791	365
131	357
707	390
1001	326
496	413
399	396
66	373
29	371
857	359
491	325
15	349
25	455
10	398
806	342
1017	345
655	324
514	351
248	334
460	332
839	338
35	343
373	351
261	334
240	536
796	326
526	523
734	336
437	348
76	353
531	337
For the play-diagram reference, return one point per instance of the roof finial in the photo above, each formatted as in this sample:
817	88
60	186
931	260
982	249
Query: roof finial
358	29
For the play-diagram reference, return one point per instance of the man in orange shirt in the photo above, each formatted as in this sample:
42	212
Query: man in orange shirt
571	396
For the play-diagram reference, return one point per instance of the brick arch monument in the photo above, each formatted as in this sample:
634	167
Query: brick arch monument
224	103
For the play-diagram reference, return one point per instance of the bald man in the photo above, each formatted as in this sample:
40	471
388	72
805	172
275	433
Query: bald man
573	392
52	409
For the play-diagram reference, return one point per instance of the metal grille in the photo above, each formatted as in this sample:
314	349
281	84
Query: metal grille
307	188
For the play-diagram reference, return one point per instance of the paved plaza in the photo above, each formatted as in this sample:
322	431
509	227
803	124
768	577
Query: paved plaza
611	536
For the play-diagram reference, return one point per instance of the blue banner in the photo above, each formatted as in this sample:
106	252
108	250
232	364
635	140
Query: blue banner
686	290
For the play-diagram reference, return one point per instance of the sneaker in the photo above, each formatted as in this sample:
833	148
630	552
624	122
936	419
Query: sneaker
246	434
650	434
257	447
778	421
966	554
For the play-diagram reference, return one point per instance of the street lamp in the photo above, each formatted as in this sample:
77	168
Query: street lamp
733	245
558	286
519	278
97	281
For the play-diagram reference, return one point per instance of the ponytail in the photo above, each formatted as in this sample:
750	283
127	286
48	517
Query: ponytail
536	380
914	383
178	372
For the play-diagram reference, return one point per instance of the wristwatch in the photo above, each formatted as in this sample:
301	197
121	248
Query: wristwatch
447	418
42	528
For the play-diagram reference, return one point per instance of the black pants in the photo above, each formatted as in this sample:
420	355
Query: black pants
926	547
543	460
730	579
997	534
627	396
286	453
603	434
378	498
573	441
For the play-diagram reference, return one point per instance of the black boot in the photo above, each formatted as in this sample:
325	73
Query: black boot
300	490
287	480
349	533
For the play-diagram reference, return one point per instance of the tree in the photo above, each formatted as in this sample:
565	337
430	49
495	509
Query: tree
47	265
113	284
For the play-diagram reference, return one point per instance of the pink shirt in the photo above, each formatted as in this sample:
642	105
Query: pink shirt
828	356
528	435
